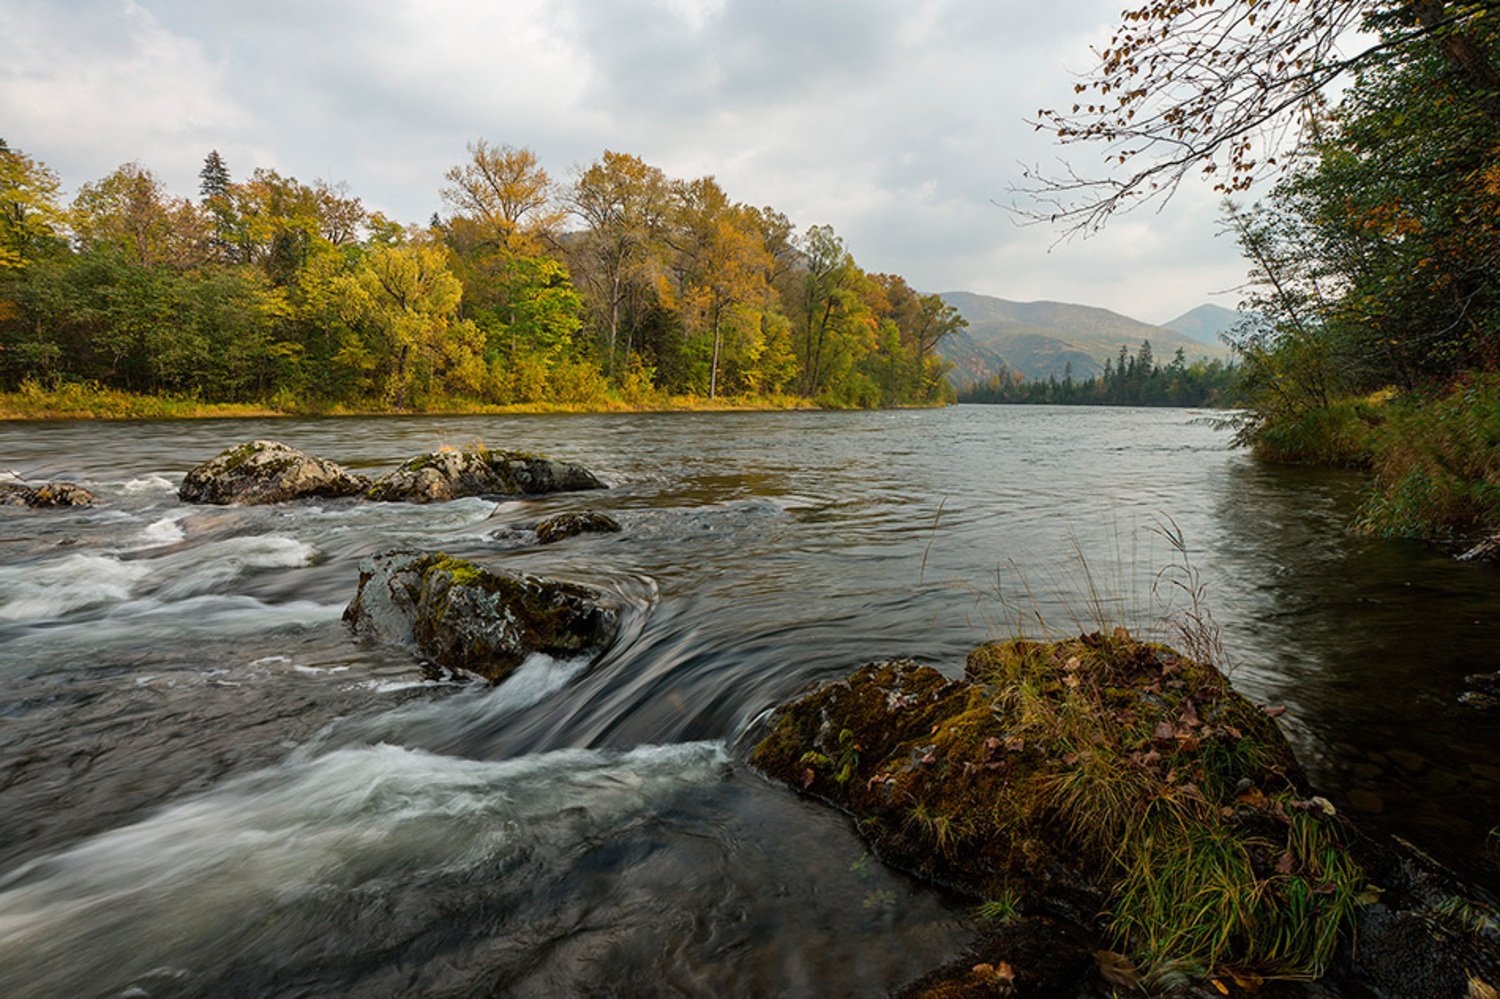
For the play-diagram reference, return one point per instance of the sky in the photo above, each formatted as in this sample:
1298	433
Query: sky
901	123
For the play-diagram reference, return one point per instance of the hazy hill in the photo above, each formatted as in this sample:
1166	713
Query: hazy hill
1205	324
1041	339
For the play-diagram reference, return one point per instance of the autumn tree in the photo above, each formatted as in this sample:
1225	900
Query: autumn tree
507	193
29	212
723	267
412	301
1228	89
622	201
837	328
131	212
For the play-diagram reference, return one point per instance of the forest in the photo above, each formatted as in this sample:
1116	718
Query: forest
1127	380
623	287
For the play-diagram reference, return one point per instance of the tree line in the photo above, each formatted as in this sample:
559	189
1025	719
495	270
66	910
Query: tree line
1127	380
620	283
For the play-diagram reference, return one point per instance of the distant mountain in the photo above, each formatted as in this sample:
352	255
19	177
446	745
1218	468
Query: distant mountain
1044	339
1206	323
971	362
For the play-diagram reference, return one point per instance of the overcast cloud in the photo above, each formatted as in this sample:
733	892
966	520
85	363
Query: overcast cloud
899	122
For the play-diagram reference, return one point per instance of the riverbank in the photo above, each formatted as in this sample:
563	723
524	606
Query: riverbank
92	402
1434	455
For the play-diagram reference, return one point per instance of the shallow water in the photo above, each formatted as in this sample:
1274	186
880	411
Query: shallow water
207	786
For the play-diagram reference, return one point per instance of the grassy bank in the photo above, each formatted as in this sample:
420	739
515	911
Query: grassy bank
1434	455
93	402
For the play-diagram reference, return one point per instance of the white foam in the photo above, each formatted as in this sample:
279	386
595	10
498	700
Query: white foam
48	590
150	484
206	567
165	531
180	886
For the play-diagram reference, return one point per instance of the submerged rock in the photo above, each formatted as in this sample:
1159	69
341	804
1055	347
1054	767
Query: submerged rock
447	475
1115	787
463	616
1483	691
267	472
565	525
45	495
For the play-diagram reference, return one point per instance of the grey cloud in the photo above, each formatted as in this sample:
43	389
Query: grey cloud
897	121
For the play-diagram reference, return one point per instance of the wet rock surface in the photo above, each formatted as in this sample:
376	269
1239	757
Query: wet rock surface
566	525
44	495
447	475
1483	691
463	616
264	471
1112	795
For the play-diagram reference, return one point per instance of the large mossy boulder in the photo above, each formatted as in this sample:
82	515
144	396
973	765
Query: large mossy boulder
449	475
45	495
463	616
267	472
1112	791
1105	779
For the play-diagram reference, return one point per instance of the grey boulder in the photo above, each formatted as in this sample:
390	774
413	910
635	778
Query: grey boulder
267	472
464	616
448	475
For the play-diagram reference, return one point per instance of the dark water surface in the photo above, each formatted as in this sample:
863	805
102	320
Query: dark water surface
207	787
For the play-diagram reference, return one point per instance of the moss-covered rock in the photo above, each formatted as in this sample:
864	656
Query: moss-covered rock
45	495
448	475
267	472
464	616
1104	779
566	525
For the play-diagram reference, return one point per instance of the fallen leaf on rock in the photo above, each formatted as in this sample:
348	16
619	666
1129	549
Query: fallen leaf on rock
1275	711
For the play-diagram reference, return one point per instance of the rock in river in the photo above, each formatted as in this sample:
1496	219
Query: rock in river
1119	793
447	475
464	616
267	472
565	525
46	494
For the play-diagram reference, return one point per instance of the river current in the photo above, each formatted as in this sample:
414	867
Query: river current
208	786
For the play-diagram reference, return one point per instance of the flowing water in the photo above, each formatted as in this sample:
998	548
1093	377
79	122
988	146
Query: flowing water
207	786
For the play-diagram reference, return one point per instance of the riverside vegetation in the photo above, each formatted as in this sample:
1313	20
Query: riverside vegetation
622	289
1373	330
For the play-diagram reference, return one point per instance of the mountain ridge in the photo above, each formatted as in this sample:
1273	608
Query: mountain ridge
1043	339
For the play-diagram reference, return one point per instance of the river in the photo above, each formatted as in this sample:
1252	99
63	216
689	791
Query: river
207	786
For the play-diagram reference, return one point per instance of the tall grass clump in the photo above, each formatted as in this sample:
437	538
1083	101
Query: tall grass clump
1340	435
1437	465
